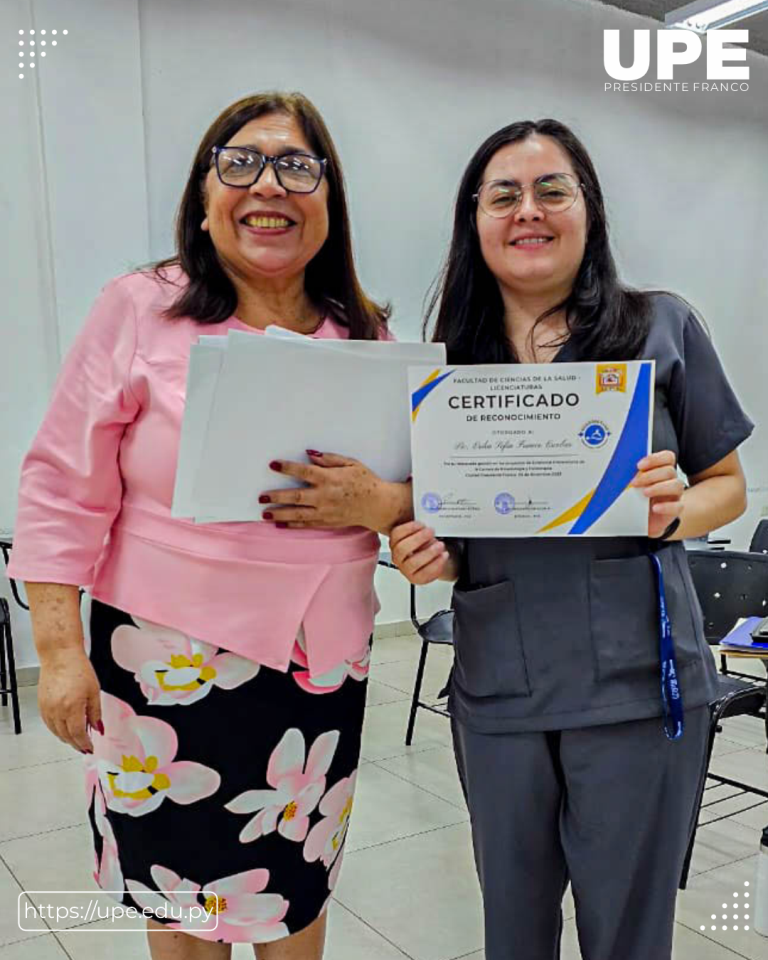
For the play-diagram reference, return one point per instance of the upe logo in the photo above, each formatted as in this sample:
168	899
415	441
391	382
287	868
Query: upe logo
677	47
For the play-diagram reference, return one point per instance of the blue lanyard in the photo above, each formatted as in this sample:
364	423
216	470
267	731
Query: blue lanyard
671	697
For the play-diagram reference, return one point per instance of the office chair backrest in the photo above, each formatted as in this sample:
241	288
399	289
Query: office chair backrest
729	585
760	538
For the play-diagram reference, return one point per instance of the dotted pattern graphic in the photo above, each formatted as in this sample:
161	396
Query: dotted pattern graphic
32	43
735	916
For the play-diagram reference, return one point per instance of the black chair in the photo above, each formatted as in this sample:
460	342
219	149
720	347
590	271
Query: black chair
437	629
8	683
729	585
759	542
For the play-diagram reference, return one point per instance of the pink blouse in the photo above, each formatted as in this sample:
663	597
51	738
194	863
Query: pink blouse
96	491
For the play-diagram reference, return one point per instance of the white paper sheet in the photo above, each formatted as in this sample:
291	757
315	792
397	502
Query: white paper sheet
348	397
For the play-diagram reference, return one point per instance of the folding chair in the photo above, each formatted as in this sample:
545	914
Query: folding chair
437	629
8	684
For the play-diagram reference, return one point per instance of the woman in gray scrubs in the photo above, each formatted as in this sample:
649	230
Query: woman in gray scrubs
574	766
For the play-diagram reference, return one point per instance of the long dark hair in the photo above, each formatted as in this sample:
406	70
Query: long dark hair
605	319
330	279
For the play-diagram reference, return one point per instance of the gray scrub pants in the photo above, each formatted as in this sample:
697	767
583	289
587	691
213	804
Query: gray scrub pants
609	808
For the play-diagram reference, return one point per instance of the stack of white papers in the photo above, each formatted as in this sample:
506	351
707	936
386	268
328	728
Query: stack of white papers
252	399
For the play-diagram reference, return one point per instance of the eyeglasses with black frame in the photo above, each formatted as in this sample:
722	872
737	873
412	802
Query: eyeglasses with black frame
296	172
553	192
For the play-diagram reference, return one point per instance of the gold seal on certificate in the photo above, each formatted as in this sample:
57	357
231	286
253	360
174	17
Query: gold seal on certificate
541	450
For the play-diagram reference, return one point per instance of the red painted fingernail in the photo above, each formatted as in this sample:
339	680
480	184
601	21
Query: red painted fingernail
281	525
263	499
267	516
314	453
276	465
100	727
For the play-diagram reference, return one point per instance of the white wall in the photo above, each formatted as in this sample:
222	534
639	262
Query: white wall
104	133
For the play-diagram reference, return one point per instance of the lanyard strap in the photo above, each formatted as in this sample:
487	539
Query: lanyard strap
671	698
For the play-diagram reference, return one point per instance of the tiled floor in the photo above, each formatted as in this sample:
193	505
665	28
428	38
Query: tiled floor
408	887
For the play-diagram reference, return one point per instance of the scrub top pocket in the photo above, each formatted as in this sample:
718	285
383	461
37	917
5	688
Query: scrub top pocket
625	621
490	658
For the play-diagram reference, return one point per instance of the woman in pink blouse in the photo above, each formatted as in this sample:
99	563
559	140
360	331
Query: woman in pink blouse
218	693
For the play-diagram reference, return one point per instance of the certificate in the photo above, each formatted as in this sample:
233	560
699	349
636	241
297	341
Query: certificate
540	450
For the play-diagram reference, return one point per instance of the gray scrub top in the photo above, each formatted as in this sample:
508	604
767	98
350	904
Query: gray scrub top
552	634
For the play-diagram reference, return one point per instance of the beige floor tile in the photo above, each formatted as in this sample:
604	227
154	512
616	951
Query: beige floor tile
724	746
421	893
569	908
102	939
757	817
433	770
10	889
751	665
706	895
30	715
61	860
349	938
33	746
749	731
395	649
690	945
385	726
402	674
41	798
720	843
687	945
747	766
748	809
41	948
388	808
569	945
380	693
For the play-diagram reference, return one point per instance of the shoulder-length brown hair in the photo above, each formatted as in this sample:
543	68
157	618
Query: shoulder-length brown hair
606	319
330	278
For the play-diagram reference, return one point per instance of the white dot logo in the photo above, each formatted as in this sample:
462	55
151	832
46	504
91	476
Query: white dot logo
735	916
33	43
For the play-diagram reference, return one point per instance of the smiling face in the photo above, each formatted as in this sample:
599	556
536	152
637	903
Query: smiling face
264	231
533	251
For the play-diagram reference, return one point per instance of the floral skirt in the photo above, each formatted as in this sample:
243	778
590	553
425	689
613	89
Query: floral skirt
220	793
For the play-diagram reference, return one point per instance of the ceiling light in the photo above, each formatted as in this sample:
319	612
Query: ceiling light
707	15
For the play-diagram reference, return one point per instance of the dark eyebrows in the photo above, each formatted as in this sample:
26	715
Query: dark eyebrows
287	149
544	176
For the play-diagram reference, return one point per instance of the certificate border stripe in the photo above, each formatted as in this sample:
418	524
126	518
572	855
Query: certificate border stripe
422	392
631	448
573	514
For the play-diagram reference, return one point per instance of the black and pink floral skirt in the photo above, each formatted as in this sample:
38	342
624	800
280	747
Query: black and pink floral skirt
220	793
